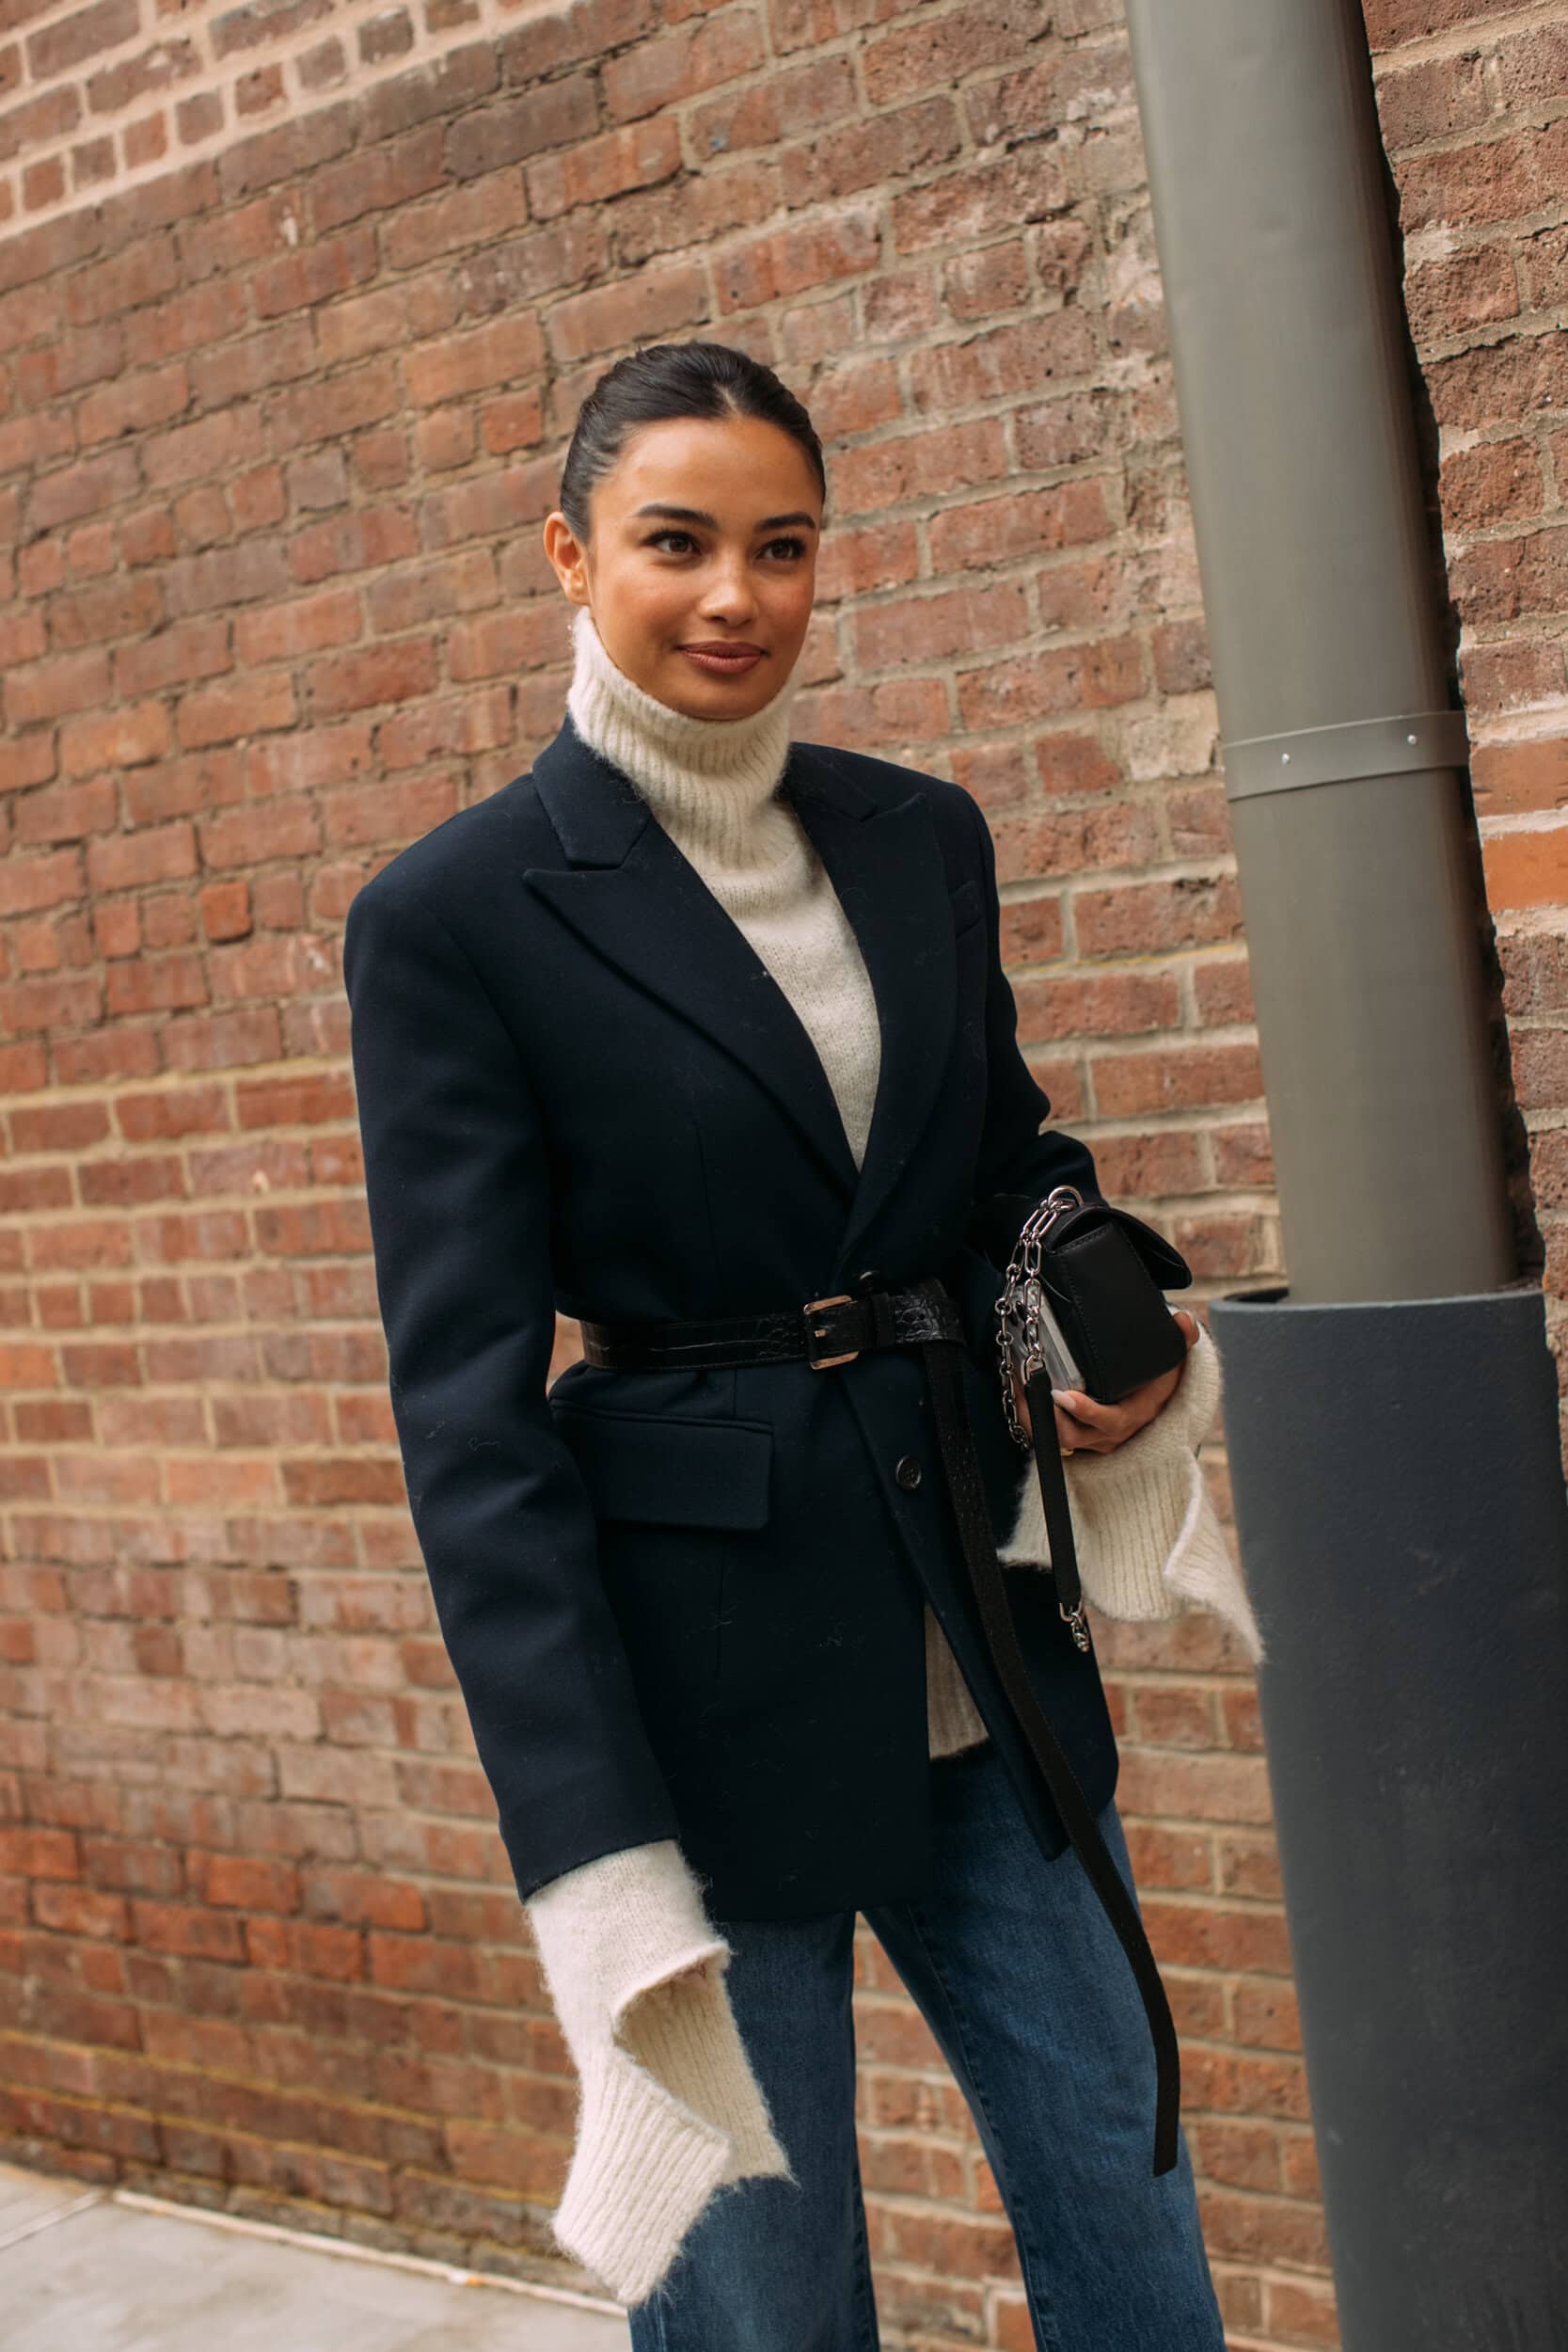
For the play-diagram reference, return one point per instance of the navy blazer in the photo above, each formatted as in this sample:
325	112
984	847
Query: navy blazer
689	1603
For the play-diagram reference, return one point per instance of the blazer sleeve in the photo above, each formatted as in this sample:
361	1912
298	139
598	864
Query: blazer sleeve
458	1190
1018	1164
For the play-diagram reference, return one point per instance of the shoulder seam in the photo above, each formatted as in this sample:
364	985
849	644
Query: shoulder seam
423	905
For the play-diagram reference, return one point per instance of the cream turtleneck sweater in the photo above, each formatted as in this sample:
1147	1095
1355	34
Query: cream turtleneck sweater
669	2107
713	785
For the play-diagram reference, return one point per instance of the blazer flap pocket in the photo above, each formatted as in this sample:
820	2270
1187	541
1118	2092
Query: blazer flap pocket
965	903
675	1469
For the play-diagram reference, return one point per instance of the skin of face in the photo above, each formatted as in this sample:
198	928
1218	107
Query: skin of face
655	583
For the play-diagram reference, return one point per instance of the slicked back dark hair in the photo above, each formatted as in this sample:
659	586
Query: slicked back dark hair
664	380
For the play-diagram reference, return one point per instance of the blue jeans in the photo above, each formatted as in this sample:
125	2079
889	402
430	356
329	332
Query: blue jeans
1021	1978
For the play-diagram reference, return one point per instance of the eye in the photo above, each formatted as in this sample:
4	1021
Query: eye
793	546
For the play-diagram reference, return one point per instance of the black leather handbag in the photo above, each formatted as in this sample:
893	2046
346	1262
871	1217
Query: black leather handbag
1082	1307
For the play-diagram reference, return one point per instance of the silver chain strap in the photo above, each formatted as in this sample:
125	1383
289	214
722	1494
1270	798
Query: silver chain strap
1018	1332
1018	1303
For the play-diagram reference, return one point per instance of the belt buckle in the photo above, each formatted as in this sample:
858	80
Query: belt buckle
820	1363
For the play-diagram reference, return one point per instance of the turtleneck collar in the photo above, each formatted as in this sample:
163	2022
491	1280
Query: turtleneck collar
719	771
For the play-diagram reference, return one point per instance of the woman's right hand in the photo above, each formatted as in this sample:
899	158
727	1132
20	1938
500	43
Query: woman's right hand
1069	1434
1114	1424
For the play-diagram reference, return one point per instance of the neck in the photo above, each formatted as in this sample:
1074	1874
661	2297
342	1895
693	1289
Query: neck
716	774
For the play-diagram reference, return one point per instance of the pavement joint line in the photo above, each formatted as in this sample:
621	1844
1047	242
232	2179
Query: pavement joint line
51	2220
346	2249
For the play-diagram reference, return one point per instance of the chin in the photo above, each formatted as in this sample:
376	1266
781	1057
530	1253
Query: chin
732	698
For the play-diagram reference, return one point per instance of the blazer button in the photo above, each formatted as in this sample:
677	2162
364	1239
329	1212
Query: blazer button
907	1470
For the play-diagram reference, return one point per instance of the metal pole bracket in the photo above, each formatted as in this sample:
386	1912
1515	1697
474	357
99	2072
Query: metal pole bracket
1337	755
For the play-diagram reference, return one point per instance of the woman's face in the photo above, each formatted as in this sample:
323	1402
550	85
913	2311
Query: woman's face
728	559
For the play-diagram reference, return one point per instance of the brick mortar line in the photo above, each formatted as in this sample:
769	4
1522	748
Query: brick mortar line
421	1878
1512	723
1522	528
1531	430
1545	317
1491	334
132	2111
228	1076
1513	822
1089	966
227	2078
1503	123
1476	35
927	589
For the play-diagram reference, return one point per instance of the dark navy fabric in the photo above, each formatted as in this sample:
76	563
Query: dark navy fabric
689	1603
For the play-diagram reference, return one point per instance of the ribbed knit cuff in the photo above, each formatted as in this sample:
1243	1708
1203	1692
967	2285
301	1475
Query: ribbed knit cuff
684	2033
670	2109
644	2167
1148	1539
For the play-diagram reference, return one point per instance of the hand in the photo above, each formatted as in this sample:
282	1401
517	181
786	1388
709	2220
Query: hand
1085	1426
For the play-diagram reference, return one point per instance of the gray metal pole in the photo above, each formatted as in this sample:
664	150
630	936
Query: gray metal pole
1392	1419
1339	748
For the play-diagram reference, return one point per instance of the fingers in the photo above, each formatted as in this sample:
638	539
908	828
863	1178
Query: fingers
1086	1410
1084	1425
1075	1431
1088	1426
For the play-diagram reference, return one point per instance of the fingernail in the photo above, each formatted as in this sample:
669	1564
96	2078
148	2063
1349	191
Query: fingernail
1060	1397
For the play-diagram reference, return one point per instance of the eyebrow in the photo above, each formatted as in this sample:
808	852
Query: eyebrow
696	514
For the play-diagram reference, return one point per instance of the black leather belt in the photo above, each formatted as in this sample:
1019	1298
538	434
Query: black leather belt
824	1331
827	1331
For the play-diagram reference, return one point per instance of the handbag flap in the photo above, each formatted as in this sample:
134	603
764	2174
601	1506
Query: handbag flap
1162	1260
1104	1270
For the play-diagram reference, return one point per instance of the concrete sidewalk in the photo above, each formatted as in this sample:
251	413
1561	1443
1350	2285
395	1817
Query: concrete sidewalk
94	2270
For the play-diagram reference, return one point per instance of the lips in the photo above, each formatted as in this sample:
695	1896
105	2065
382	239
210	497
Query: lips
725	662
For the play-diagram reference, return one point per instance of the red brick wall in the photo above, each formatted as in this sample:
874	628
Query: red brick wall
1474	106
281	410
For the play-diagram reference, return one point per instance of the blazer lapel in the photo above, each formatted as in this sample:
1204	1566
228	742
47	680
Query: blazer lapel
630	896
886	863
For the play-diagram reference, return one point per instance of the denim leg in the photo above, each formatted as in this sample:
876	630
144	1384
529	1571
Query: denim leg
773	2267
1021	1977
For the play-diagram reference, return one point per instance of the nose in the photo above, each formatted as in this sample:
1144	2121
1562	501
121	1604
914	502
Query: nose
727	593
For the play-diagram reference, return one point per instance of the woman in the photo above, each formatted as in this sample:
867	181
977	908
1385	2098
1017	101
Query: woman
703	1038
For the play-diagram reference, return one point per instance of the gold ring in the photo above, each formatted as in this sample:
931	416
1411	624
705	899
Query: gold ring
1067	1453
